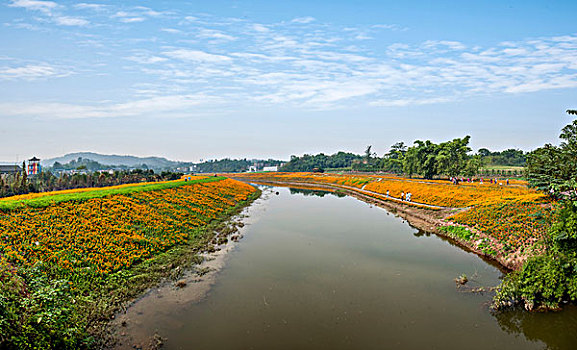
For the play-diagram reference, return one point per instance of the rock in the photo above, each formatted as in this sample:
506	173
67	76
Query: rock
461	280
180	283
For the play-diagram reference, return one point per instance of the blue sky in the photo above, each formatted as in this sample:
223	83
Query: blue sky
213	79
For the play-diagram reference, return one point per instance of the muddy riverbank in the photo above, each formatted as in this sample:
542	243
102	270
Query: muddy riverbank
134	326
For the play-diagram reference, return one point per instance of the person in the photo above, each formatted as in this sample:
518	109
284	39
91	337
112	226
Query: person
409	196
402	196
481	181
507	182
387	193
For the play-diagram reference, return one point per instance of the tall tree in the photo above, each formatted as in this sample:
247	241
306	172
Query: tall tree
392	161
452	157
554	168
24	183
368	153
421	158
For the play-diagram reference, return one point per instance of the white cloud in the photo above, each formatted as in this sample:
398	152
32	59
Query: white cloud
70	21
93	7
442	44
196	56
31	72
132	19
214	34
146	59
171	30
136	14
409	102
37	5
152	105
303	20
260	28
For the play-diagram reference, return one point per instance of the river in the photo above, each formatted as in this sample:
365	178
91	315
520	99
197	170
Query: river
328	272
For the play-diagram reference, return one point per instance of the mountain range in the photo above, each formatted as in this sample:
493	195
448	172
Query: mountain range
112	159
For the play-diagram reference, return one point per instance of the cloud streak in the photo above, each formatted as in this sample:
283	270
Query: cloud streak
31	72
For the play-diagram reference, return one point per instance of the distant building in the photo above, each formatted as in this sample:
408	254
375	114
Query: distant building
270	168
252	169
34	167
10	169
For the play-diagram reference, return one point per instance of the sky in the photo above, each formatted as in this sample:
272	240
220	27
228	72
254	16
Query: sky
191	80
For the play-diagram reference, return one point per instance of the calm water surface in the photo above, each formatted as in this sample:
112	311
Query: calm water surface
335	273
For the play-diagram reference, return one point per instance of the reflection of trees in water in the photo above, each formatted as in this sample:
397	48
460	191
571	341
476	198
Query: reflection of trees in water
558	330
317	193
421	233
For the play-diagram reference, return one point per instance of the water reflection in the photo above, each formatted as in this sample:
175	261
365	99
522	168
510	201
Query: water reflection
558	330
317	193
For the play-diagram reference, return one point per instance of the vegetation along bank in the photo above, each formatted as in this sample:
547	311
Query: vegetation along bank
70	259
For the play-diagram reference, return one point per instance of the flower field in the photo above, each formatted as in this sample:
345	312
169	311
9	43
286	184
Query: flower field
101	235
69	259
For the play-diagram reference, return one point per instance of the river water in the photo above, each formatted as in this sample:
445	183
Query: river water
329	272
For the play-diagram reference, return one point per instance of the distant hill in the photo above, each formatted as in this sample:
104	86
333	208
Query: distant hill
130	161
95	161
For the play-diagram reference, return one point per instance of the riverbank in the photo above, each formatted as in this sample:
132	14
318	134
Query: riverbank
67	268
136	325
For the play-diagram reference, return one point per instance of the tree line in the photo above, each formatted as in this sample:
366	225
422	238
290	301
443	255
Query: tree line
424	158
227	165
321	161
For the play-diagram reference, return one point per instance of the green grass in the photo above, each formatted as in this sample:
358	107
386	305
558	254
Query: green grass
458	232
44	201
502	167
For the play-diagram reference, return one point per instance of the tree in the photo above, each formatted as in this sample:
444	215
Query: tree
368	153
473	164
483	152
393	160
452	156
421	159
24	183
554	169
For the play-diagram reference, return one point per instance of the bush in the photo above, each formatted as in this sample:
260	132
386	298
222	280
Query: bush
549	279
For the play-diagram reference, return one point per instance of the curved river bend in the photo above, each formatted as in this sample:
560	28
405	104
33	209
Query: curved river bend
328	272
